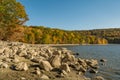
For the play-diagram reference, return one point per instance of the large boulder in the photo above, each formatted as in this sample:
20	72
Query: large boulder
22	66
55	61
45	65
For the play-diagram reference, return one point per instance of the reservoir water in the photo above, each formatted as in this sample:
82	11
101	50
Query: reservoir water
111	69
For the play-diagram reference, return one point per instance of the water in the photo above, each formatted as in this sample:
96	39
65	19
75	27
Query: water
111	69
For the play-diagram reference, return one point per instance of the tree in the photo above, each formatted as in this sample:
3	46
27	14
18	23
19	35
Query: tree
12	13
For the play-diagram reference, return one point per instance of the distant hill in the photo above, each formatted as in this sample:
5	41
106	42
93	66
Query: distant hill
112	35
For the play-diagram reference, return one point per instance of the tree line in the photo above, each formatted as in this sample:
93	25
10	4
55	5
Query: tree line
111	35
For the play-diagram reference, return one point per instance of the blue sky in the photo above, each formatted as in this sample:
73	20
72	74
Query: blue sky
73	14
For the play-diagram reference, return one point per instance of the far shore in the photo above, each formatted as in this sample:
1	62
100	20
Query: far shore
68	44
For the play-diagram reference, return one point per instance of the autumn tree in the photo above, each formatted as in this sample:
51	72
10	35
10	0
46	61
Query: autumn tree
12	14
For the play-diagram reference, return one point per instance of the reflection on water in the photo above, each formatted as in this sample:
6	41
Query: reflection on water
111	69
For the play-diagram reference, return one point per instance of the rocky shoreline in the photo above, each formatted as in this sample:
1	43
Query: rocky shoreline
20	61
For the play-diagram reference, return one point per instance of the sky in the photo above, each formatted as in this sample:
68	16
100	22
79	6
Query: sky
73	14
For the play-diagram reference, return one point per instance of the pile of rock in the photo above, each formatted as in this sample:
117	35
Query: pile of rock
21	57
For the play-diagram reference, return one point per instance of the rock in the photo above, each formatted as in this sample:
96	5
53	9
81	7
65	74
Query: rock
65	67
55	61
92	62
68	58
22	66
1	50
23	78
15	60
22	53
3	65
8	52
38	59
103	60
82	62
95	67
38	72
44	77
77	54
82	69
45	65
98	78
58	52
87	78
44	55
79	67
63	73
93	71
6	60
29	56
80	73
50	53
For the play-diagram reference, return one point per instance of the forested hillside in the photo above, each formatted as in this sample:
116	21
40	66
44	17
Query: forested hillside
43	35
112	35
